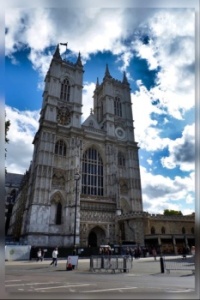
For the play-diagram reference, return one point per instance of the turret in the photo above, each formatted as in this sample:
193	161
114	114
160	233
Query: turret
57	53
107	73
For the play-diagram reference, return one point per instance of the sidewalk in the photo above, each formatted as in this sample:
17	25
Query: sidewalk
140	266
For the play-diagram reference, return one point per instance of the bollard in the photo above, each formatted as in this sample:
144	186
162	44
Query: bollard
102	262
162	265
124	263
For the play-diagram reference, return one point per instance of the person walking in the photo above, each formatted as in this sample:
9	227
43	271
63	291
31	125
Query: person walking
154	252
54	257
39	255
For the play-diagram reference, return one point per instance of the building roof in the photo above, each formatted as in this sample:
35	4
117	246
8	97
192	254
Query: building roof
13	179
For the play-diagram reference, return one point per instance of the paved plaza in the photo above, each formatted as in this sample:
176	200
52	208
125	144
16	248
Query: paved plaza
31	279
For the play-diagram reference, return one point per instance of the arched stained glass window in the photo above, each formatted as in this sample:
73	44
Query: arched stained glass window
92	173
60	148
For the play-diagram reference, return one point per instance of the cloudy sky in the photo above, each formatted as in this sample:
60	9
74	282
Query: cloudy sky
156	48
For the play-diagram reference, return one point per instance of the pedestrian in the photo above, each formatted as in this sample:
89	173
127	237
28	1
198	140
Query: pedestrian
54	257
154	253
193	250
184	252
43	252
39	255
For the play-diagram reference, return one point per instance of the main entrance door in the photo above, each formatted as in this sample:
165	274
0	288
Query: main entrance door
96	237
92	239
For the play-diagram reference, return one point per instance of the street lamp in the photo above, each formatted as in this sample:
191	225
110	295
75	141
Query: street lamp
76	178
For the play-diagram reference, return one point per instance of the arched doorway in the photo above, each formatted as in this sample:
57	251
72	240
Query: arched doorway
92	239
96	237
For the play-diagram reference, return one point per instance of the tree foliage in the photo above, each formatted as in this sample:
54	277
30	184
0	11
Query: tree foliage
168	212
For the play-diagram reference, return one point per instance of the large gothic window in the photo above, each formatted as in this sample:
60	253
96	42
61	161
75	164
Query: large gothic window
117	107
65	90
60	148
92	173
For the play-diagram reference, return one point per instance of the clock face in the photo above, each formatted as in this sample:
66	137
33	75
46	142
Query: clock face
120	133
64	116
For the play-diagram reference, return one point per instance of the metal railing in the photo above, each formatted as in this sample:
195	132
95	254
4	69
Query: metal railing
111	263
179	264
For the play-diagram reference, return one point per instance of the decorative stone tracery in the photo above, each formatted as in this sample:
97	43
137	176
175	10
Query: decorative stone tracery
63	115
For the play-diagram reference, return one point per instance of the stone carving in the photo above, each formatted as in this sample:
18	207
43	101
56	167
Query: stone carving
123	187
64	115
58	180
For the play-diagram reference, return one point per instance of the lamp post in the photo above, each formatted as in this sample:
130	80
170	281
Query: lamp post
76	178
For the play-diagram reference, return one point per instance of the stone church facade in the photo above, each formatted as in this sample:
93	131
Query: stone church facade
59	209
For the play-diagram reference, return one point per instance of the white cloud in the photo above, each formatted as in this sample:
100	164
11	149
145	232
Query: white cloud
88	31
182	151
146	133
88	91
23	127
172	49
161	192
150	161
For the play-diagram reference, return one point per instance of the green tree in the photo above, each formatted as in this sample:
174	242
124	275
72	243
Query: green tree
168	212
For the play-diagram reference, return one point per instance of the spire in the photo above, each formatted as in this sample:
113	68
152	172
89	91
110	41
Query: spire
79	62
57	53
107	73
97	83
125	81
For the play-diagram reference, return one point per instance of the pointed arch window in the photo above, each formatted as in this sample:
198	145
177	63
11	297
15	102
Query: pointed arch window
117	107
153	231
60	148
92	173
65	90
59	214
121	159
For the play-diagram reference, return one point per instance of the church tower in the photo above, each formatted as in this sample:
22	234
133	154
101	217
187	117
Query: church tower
104	203
56	157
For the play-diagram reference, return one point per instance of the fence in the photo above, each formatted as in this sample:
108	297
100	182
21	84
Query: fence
110	262
179	264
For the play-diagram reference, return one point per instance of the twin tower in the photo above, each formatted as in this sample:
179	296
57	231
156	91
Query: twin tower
84	185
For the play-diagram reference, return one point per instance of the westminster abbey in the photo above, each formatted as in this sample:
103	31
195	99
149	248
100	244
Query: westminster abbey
83	186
